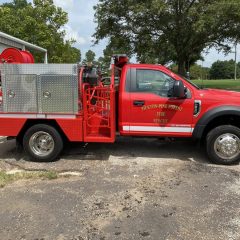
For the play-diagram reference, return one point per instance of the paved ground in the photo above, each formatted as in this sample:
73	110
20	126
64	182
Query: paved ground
134	189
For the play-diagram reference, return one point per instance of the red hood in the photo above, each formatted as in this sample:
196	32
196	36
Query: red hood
214	97
223	96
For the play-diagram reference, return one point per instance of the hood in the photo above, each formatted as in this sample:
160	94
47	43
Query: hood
218	92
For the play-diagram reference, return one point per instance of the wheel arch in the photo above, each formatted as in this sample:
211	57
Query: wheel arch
224	115
31	122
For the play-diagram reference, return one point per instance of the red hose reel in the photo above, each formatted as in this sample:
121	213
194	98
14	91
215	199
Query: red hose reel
13	55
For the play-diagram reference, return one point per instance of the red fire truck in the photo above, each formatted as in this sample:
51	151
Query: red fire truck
43	105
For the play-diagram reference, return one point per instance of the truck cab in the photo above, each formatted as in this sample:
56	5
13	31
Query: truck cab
153	101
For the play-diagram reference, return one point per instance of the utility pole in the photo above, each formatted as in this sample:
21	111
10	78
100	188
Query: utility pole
235	71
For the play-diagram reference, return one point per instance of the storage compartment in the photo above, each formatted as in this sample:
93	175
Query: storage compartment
20	93
40	88
57	94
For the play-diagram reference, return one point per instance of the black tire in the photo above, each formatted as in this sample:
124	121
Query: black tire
41	134
215	152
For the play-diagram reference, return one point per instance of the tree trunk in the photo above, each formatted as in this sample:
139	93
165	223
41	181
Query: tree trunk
187	65
182	68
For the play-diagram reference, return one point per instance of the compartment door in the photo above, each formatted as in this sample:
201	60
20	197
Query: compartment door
58	94
20	93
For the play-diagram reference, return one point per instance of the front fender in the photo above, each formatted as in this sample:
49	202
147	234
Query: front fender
211	115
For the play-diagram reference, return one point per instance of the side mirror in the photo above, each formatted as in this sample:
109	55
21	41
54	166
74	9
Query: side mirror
179	90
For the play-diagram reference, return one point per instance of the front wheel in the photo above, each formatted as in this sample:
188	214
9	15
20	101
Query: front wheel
223	145
42	143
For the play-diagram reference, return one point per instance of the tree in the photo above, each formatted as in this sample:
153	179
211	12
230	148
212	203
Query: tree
40	23
196	71
224	70
168	30
68	54
104	65
199	72
110	50
90	56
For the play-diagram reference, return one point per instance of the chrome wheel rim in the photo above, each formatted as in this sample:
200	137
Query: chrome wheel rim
41	144
227	146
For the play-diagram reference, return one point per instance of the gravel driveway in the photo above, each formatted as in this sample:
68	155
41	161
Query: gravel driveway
133	189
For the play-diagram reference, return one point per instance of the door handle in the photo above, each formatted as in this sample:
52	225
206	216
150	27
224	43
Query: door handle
139	103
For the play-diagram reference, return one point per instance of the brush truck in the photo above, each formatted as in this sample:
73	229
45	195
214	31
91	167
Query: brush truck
43	105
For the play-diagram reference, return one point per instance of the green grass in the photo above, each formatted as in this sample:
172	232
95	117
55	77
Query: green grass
6	178
219	84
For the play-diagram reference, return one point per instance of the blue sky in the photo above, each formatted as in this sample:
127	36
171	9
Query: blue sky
81	24
81	27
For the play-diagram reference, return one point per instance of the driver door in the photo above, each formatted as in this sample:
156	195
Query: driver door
153	111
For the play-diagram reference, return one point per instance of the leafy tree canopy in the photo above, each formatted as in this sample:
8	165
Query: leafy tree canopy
199	72
224	70
196	71
168	30
90	56
40	23
110	50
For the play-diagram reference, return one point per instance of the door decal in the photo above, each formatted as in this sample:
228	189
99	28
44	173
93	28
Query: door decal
162	106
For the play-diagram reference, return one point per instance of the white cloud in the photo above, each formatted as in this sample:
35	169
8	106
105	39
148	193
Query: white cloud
72	34
65	4
214	55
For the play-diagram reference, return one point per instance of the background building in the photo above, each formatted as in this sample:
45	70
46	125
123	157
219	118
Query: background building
7	41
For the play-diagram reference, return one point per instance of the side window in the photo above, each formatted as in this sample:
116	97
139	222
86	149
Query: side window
153	81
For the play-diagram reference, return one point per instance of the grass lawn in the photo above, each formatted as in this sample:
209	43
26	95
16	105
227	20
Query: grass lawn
221	84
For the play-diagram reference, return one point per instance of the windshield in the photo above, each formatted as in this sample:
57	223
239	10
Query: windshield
187	80
193	84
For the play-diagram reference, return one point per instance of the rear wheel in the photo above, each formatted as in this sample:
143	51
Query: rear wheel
42	143
223	145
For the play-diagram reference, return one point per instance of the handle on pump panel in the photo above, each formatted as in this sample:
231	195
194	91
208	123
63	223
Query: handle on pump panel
11	93
46	94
